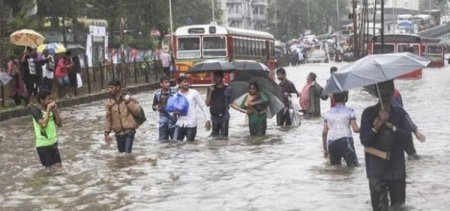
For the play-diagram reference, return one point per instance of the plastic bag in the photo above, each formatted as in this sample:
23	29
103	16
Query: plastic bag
79	81
178	103
294	108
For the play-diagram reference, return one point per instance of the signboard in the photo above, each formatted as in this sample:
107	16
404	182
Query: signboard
97	31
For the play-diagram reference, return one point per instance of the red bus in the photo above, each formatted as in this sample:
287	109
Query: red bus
397	43
198	43
435	51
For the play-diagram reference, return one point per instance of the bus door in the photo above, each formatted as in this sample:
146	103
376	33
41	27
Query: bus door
435	52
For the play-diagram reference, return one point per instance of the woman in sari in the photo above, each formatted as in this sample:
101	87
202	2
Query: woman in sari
254	104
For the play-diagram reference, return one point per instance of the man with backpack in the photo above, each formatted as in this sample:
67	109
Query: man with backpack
48	70
121	117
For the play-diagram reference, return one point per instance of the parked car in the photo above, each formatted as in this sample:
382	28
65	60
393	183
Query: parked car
318	55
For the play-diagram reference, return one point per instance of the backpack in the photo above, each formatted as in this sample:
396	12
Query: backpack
140	116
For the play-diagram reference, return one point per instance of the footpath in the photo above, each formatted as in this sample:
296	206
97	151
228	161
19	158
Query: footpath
23	111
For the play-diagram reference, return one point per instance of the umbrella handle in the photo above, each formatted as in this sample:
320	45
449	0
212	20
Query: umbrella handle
379	97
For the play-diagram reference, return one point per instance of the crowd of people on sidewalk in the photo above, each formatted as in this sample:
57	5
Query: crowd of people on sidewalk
385	127
33	71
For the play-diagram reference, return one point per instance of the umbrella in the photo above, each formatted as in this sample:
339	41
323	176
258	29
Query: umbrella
210	66
53	48
239	87
26	37
246	65
4	78
373	69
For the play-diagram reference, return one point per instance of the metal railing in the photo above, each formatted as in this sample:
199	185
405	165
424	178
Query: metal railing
95	79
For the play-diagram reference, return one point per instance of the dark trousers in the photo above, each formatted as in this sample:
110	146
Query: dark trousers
47	84
188	132
31	83
343	148
166	131
283	117
125	141
220	124
410	150
379	190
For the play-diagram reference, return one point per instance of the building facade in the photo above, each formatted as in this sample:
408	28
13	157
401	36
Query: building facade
245	14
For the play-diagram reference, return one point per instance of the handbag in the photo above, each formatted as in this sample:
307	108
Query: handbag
79	81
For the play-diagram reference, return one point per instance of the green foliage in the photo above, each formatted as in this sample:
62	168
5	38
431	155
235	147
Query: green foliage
292	16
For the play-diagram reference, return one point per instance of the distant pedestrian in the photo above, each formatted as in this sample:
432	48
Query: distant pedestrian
30	73
46	118
288	88
410	149
255	104
218	100
166	120
166	62
310	96
337	138
384	133
48	70
186	126
17	90
62	70
120	108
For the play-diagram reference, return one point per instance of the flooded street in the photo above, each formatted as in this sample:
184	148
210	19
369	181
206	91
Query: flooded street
283	171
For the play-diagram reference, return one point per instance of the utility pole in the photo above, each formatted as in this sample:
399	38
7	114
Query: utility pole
309	17
276	18
122	53
355	30
213	15
338	15
382	27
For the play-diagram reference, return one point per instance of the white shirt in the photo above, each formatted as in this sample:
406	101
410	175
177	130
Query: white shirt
339	120
46	73
165	59
194	99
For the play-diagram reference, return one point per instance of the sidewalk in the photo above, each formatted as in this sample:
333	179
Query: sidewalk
23	111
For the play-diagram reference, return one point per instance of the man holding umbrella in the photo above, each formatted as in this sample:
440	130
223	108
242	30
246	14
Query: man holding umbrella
385	128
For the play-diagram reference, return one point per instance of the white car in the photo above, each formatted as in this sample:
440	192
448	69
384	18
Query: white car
318	55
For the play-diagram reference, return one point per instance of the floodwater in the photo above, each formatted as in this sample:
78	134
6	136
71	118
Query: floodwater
283	171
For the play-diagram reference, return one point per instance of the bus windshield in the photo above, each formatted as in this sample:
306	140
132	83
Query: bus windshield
214	47
388	48
415	49
188	47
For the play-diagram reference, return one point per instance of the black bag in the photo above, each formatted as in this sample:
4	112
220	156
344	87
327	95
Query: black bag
139	117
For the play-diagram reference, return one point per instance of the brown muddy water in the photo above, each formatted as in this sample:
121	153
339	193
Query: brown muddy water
283	171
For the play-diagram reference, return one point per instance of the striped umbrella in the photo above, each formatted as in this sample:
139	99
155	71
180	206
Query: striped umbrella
53	48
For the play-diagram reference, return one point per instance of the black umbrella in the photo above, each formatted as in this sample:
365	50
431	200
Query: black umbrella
210	66
239	87
248	65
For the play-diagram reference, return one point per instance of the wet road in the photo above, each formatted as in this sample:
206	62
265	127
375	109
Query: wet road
283	171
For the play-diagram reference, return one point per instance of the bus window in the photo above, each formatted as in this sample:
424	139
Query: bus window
214	46
388	48
188	47
435	49
408	48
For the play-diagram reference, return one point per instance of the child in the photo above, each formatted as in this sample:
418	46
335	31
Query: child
45	120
